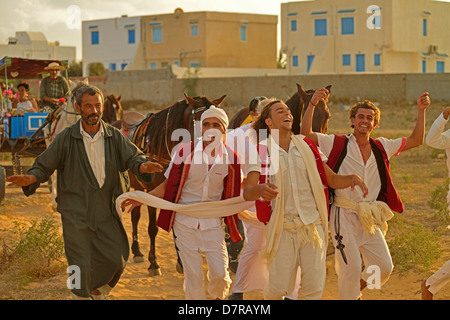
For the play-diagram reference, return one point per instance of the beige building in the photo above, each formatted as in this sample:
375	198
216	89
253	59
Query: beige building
345	36
207	40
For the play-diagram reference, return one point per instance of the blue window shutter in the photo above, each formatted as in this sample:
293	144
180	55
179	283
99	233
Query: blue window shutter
295	61
424	66
347	25
310	60
440	66
123	65
243	33
194	30
131	36
346	60
95	37
157	35
152	65
293	25
377	59
360	63
112	66
424	27
320	27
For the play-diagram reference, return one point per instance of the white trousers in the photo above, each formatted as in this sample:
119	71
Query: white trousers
283	270
191	243
372	247
252	273
439	279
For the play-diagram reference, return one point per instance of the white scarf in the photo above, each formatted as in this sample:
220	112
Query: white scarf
276	223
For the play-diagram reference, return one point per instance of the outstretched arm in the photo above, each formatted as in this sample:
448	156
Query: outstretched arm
254	190
417	136
306	127
22	180
339	181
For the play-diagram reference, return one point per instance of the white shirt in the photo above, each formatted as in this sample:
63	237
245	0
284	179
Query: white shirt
438	138
354	164
298	196
202	185
95	150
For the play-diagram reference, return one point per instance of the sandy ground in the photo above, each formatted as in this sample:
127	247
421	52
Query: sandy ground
136	284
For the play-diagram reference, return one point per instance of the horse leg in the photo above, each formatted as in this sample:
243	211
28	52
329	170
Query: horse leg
153	269
135	217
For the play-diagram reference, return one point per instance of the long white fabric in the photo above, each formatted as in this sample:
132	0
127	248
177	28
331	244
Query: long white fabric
210	209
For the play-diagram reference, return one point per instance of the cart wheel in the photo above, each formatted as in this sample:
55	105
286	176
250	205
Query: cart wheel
2	183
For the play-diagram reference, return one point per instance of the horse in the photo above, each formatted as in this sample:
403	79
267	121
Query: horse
112	109
153	136
298	104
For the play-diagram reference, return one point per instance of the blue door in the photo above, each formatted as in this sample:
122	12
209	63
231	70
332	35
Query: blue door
360	63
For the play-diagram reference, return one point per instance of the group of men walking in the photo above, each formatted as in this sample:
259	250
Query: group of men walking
281	181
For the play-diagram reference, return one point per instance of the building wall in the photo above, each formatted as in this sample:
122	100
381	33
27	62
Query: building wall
217	44
162	87
397	38
113	47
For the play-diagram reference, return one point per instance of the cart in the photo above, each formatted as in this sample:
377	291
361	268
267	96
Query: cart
22	133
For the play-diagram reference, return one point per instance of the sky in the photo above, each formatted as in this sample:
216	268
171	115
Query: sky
57	19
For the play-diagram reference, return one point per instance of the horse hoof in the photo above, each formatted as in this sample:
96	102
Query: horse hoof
154	272
138	259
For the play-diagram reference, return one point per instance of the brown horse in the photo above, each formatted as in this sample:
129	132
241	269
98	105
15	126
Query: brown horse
298	104
153	136
112	110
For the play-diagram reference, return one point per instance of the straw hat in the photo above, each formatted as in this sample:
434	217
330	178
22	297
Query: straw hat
54	66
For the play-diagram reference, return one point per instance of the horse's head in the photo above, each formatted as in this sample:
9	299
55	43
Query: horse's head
298	104
196	106
112	110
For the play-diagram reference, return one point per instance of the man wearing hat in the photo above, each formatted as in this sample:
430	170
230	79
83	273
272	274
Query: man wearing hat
53	88
202	171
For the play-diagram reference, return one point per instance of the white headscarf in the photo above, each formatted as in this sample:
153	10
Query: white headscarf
214	112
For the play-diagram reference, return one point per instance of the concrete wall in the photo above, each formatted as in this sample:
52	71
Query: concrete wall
162	88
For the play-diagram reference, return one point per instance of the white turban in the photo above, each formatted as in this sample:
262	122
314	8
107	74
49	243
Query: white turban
214	112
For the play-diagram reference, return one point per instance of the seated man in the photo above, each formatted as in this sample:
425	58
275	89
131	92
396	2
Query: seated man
54	88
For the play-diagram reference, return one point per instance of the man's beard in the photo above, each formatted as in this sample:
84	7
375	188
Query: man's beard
88	120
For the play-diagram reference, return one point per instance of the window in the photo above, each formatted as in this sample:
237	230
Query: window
131	36
112	67
243	33
157	35
194	30
377	59
293	25
347	26
310	60
152	65
123	65
440	66
424	27
346	60
320	27
295	61
94	37
194	64
424	66
360	63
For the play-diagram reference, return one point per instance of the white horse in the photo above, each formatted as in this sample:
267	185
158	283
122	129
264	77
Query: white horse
66	118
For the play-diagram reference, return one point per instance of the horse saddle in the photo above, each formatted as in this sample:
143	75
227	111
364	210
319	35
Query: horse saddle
137	129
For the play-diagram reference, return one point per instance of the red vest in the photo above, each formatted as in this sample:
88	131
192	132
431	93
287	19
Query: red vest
264	208
387	194
177	177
